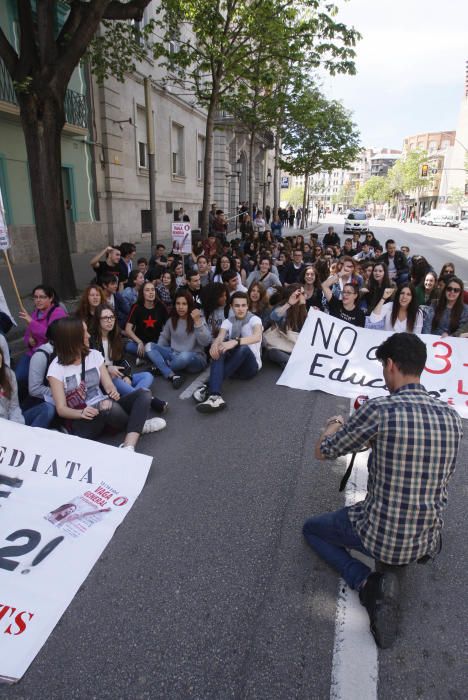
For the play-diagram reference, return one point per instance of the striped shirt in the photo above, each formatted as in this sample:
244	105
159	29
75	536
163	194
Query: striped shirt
414	440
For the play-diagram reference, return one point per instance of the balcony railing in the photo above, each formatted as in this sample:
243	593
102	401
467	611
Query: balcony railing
76	108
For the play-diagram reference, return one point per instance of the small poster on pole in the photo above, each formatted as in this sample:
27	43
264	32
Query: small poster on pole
181	237
4	237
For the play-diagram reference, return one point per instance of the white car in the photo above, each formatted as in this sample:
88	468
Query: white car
356	220
463	225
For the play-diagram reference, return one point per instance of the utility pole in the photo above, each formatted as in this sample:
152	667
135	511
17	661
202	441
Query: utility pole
151	158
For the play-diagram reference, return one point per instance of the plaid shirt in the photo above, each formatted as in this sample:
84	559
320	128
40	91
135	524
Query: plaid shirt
414	440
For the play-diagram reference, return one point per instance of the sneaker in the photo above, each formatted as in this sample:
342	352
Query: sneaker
155	371
177	381
213	403
139	361
130	448
201	394
380	598
152	425
158	405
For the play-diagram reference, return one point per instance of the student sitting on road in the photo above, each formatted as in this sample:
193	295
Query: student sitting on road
167	288
114	298
264	274
372	293
181	345
347	310
312	288
346	275
288	316
235	353
129	296
258	303
204	270
145	322
110	265
403	315
193	286
427	291
232	281
215	306
107	338
78	379
89	301
447	315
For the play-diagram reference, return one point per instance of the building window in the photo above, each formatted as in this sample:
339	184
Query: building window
142	144
200	157
177	150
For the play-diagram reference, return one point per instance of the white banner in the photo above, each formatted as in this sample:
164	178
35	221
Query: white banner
61	499
338	358
181	237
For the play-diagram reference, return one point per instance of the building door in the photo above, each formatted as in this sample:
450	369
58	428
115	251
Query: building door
69	205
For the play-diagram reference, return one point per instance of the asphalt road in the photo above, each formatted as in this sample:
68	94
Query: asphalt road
207	589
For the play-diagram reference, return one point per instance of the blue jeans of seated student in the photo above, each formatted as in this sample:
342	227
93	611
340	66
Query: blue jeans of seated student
331	535
39	416
22	374
140	380
170	362
239	363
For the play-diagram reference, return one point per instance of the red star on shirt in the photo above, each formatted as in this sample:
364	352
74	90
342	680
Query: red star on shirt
149	322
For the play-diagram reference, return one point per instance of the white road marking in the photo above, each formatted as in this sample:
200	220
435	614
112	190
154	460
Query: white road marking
201	379
355	662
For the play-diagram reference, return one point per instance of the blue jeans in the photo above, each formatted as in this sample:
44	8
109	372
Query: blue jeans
169	362
140	380
331	534
39	416
239	363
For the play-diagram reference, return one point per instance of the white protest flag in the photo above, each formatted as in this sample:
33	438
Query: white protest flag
338	358
61	500
181	237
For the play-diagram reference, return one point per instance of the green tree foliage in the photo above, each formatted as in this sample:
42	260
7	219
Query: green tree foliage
232	51
294	196
374	190
41	69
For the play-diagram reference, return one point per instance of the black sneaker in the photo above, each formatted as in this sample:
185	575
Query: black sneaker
380	598
177	381
158	405
155	371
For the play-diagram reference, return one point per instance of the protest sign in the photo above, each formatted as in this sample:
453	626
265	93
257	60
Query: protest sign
338	358
181	237
61	499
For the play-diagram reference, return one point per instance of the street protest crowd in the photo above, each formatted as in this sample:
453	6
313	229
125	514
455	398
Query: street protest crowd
227	305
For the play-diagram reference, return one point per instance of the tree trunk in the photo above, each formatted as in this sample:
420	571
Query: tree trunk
251	173
304	201
43	119
208	165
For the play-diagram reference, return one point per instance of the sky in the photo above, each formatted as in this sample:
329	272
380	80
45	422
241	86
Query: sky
410	67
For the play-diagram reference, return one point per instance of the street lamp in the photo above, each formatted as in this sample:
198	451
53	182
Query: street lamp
237	174
266	185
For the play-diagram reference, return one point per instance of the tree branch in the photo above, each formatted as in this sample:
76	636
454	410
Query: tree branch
28	49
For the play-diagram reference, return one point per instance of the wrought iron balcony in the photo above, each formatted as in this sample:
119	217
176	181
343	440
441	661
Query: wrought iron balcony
76	108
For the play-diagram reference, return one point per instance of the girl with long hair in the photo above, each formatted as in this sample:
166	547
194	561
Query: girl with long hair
46	310
258	302
448	314
403	315
312	288
378	283
107	338
181	345
145	322
288	317
84	394
427	290
167	288
347	309
90	299
215	305
129	295
448	268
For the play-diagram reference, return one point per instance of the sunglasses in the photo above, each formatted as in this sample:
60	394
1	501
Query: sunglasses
453	289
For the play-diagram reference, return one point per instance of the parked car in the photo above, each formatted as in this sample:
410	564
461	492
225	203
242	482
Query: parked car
440	217
463	225
356	220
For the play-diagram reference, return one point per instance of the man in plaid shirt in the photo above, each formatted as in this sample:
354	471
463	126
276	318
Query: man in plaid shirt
414	440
